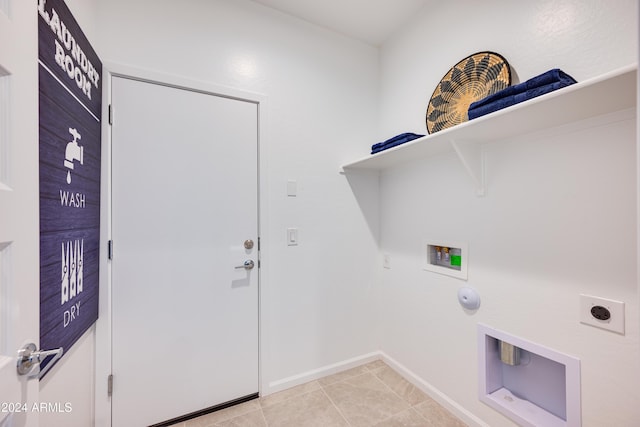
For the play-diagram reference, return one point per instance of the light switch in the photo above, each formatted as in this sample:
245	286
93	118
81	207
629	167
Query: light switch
292	236
292	188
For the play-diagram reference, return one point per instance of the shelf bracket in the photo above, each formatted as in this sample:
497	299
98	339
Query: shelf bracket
471	156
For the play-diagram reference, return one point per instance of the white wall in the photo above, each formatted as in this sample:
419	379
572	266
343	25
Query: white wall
321	91
559	218
85	12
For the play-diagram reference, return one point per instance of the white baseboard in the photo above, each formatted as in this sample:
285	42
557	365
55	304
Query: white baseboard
414	379
444	400
315	374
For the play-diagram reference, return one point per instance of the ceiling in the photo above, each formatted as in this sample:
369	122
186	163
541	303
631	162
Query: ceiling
371	21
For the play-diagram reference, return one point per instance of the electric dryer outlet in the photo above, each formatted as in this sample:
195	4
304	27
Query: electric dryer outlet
602	313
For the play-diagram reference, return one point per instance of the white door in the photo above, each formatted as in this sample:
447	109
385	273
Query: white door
185	200
19	203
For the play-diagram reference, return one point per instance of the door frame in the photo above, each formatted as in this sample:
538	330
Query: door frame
103	355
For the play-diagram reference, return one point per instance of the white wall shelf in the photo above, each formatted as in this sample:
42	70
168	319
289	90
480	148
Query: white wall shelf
608	93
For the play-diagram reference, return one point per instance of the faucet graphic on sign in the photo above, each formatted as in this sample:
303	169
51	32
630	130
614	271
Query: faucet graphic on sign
74	151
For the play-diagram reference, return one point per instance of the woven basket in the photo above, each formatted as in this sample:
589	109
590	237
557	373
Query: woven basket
475	77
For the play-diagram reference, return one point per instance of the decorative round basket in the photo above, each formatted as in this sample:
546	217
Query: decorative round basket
470	80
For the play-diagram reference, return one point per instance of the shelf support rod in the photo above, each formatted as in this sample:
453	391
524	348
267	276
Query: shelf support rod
471	156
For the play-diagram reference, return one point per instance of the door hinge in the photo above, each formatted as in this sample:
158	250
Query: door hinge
110	385
110	114
258	243
110	249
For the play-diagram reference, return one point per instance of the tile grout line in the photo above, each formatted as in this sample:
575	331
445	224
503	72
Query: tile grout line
322	387
334	404
392	390
411	406
292	396
373	373
396	394
266	423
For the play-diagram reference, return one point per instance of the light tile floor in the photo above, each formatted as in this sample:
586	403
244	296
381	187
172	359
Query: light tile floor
368	395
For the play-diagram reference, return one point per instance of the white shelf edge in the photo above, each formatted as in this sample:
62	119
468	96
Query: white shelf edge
571	100
525	411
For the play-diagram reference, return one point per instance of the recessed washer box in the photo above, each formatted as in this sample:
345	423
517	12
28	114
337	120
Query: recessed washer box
539	388
445	257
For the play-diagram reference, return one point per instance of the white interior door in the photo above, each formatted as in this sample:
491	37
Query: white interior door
184	192
19	203
19	226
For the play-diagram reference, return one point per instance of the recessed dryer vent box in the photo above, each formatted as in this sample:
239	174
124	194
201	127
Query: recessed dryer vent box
528	383
447	258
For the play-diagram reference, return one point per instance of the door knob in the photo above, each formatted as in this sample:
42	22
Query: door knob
28	357
248	265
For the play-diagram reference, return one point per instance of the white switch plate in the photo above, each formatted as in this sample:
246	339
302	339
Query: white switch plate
386	261
292	236
292	188
615	323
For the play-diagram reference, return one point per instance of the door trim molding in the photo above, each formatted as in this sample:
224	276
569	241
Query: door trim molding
102	410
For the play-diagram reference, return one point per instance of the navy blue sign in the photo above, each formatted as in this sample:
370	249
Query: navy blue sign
70	100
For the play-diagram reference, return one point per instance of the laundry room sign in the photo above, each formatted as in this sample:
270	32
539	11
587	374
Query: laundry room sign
70	105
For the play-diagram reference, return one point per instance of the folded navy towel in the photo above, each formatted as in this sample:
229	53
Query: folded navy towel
392	142
536	86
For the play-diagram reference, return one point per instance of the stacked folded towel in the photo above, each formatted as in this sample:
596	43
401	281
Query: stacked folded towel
392	142
536	86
